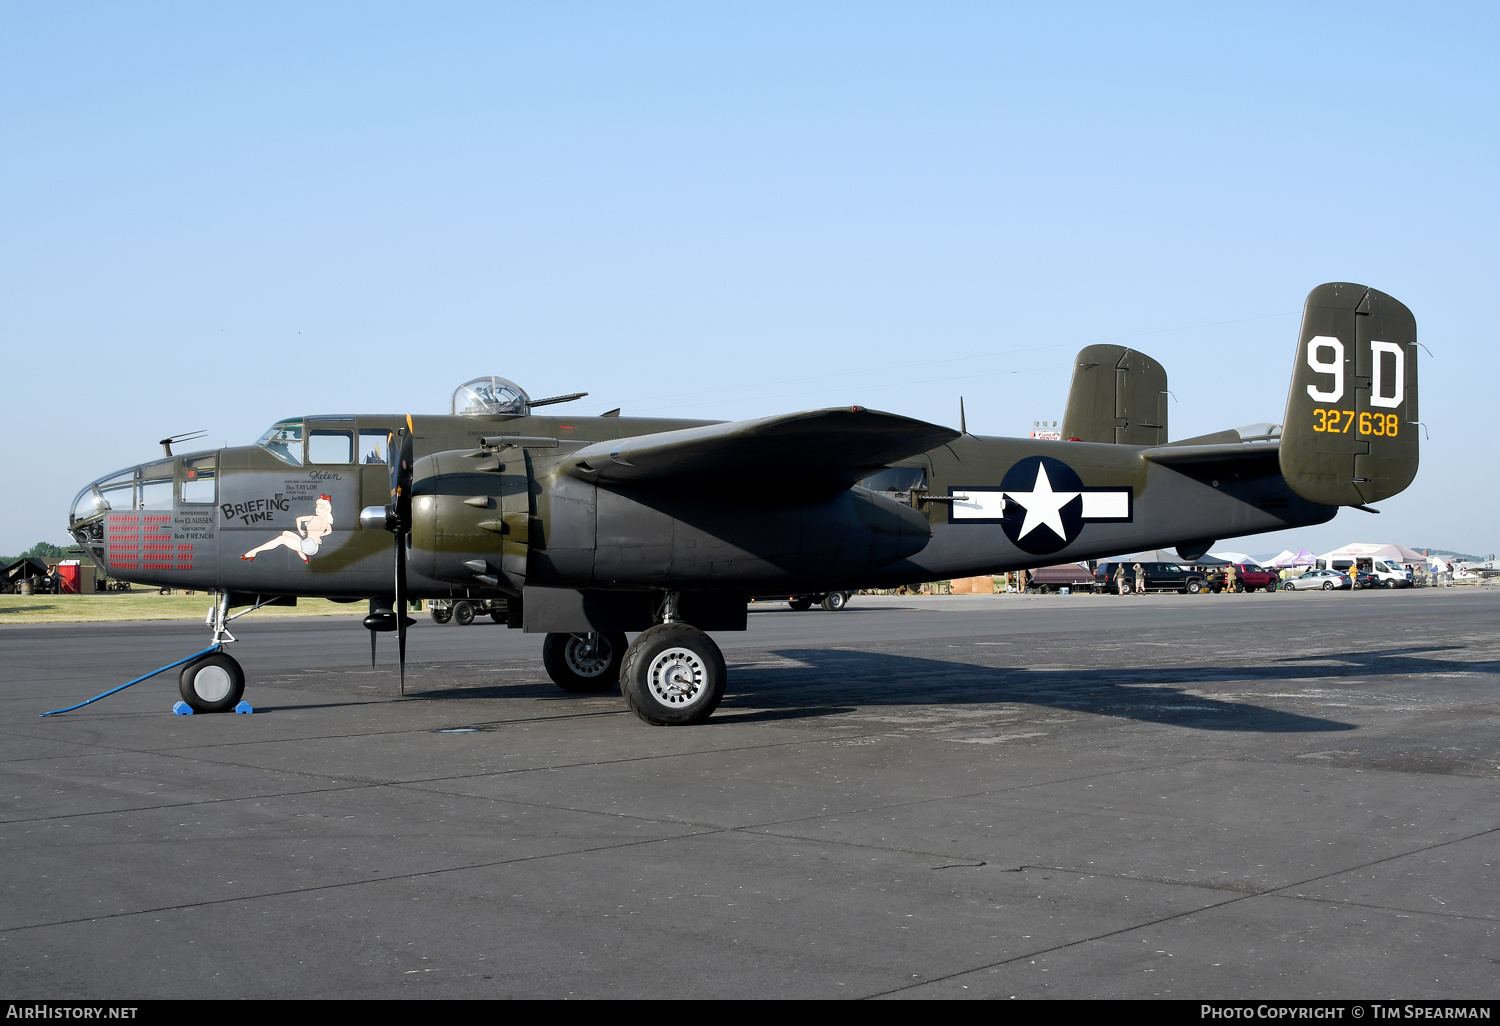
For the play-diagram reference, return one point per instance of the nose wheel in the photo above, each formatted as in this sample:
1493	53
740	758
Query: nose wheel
212	684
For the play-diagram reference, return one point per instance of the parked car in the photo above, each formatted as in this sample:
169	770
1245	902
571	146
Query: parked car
1159	577
1316	580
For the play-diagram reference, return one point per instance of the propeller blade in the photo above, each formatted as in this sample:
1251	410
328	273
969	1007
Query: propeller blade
400	460
401	618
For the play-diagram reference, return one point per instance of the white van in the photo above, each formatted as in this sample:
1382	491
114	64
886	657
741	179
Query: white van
1391	575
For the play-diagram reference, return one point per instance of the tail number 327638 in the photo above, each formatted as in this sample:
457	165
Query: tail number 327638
1325	355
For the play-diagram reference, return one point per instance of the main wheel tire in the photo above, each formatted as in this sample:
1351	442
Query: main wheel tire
673	675
576	666
1194	587
441	614
500	615
463	614
799	604
835	600
212	684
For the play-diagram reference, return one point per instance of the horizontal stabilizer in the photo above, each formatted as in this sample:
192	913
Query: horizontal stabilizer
820	447
1235	453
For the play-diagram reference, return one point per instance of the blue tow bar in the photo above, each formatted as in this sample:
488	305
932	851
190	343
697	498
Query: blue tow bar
170	666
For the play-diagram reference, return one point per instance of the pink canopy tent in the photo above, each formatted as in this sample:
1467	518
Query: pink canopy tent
1289	558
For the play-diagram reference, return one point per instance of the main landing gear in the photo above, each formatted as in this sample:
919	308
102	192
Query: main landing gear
671	675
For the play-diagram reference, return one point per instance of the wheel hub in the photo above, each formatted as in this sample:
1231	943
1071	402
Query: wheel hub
676	677
212	683
587	658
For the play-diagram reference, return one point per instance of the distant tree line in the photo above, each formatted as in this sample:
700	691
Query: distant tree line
46	550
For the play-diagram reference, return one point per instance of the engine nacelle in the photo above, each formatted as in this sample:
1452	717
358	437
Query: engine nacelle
470	518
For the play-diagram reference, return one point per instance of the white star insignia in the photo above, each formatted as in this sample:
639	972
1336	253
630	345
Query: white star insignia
1043	506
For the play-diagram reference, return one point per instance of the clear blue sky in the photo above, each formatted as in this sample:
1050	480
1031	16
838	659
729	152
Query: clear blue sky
215	215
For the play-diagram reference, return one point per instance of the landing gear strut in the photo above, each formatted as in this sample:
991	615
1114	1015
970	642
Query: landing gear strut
672	674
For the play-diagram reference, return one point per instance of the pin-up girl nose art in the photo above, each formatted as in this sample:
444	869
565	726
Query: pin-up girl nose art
308	538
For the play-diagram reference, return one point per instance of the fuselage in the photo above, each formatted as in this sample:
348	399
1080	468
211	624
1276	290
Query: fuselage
282	516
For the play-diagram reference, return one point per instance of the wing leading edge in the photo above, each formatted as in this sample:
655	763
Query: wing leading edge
831	448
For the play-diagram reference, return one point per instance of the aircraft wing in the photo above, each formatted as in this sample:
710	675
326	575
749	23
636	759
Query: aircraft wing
820	447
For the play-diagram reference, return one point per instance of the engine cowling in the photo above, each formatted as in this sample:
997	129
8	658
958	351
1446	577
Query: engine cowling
470	518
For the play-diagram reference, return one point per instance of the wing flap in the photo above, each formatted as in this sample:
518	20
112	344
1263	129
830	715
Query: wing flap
820	447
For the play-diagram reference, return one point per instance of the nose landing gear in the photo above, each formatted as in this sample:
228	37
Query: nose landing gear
215	682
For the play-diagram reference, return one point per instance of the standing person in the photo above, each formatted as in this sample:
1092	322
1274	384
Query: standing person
1140	579
1120	578
1229	581
1353	578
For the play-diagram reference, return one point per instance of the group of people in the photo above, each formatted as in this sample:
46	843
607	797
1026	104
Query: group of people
1138	574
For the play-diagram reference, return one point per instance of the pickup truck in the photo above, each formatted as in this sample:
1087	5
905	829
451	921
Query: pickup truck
1159	577
1247	577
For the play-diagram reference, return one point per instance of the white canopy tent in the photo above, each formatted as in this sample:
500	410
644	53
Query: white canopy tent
1390	552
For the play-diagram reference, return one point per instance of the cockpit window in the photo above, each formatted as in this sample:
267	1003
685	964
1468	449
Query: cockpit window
372	444
330	447
284	441
198	476
490	397
896	479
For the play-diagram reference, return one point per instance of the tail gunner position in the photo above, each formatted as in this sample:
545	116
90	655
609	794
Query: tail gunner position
591	527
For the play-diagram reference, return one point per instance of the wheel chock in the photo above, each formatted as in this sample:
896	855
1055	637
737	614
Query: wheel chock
182	708
243	708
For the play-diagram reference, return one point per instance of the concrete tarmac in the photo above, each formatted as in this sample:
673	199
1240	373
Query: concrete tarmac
1252	796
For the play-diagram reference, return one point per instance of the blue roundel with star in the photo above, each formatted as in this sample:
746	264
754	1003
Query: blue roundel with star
1041	504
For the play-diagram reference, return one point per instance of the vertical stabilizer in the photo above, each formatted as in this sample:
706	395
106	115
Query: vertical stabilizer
1118	395
1350	435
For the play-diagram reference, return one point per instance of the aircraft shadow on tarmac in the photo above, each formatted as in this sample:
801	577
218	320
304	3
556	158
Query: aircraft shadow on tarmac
831	682
834	681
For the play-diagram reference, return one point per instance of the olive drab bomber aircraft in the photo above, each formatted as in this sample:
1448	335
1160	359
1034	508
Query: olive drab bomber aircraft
591	527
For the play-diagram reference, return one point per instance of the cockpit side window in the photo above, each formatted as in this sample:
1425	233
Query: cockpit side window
372	445
284	441
325	446
199	476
